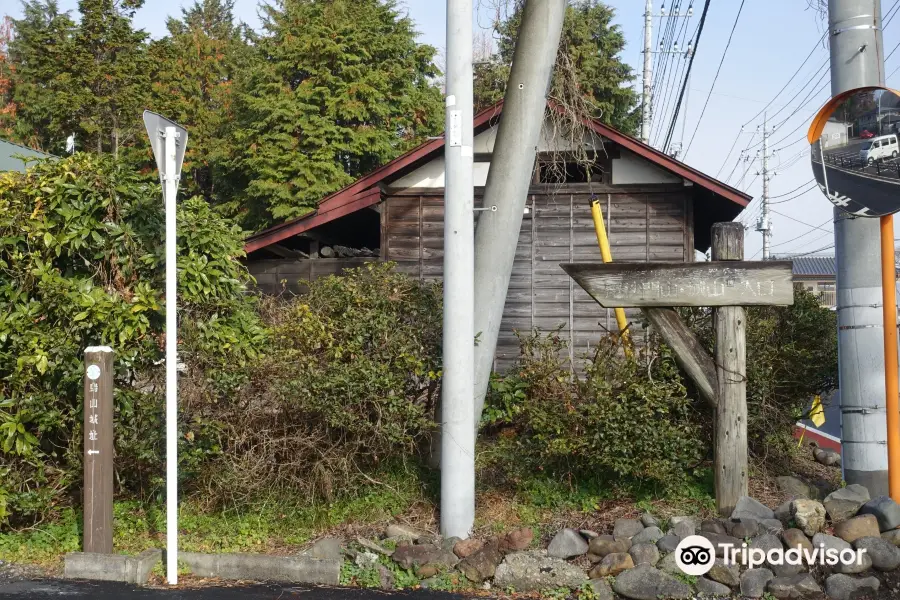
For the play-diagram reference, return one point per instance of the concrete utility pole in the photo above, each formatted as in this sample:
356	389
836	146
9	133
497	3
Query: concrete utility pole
857	60
764	224
458	387
646	108
508	181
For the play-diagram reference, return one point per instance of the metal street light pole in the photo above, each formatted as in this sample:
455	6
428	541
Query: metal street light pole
169	141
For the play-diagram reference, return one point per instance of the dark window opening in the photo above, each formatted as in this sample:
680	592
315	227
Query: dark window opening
570	172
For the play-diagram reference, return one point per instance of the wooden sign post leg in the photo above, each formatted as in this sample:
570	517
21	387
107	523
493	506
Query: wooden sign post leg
731	368
98	449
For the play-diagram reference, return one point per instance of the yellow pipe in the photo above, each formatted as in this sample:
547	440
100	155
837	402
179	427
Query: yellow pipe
603	242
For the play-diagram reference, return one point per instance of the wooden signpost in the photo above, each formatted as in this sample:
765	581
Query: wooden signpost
98	449
726	283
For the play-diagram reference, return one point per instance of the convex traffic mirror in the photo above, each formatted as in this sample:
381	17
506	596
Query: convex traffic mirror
855	151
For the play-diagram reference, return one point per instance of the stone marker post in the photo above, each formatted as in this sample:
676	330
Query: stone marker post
98	449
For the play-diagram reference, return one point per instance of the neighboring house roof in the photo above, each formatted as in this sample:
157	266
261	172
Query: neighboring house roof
367	192
10	153
814	266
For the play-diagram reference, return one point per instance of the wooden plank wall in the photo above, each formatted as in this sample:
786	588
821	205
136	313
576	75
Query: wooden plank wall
283	275
652	223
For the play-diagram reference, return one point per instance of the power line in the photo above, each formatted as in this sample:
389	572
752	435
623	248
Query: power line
715	79
740	156
809	98
892	52
801	235
800	195
892	73
785	164
664	55
799	221
793	190
889	16
814	251
789	81
891	13
747	170
798	140
730	150
675	76
800	107
752	181
687	75
681	77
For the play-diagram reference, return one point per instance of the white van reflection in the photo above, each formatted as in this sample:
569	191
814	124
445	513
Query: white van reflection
879	148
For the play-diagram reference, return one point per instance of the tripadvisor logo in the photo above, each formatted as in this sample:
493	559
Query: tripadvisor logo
696	555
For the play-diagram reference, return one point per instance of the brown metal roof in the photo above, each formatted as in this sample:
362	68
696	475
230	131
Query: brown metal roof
366	191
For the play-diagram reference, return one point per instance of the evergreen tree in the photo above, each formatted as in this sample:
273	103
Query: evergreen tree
344	87
40	84
592	46
110	68
194	84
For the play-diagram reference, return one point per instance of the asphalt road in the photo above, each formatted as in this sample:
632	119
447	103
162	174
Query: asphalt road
64	590
848	157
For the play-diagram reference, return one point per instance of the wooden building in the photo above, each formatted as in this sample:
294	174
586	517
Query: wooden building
656	209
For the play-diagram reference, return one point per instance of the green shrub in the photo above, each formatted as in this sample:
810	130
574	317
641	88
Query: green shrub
349	382
791	356
81	263
629	417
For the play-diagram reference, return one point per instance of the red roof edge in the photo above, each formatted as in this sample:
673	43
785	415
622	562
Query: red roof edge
349	195
663	159
307	222
361	194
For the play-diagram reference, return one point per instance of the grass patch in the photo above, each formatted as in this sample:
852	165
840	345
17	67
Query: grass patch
505	501
274	527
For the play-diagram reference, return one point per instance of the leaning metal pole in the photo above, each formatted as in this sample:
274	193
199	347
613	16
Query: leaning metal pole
512	163
857	60
457	388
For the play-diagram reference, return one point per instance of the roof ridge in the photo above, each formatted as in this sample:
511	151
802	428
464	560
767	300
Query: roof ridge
337	203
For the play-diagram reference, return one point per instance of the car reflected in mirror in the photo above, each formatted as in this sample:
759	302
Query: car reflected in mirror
855	151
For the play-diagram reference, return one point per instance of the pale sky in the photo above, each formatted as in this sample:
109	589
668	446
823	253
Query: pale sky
772	39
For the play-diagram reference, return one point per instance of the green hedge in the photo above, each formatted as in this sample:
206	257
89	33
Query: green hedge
349	383
81	263
638	418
